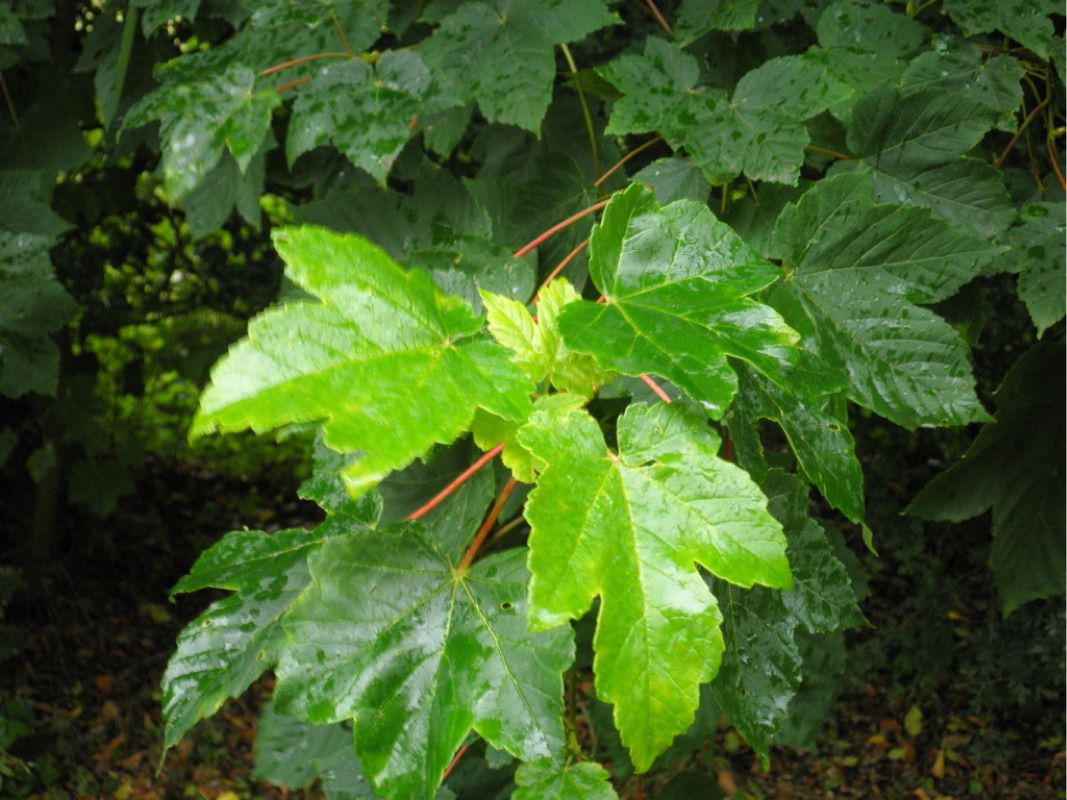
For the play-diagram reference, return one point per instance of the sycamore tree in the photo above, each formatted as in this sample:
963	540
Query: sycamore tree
553	271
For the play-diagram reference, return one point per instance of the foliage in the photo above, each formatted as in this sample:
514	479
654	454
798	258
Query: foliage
866	159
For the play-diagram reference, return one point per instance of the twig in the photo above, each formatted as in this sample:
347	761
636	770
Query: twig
284	87
655	387
826	151
559	226
999	162
1054	156
585	107
659	17
455	760
442	495
562	265
618	164
296	62
490	521
10	103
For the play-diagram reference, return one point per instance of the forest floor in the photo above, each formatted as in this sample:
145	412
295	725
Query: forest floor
90	660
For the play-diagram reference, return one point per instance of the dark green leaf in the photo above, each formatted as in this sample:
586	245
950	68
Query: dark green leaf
390	635
367	113
856	270
1015	467
199	119
1037	255
1025	21
500	53
227	647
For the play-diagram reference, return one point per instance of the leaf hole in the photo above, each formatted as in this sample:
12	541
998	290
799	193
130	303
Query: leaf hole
507	606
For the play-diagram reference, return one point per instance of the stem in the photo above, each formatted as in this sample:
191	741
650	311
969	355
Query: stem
506	529
129	30
826	151
655	387
562	265
341	32
296	62
618	164
462	478
585	212
585	107
1055	162
284	87
659	17
727	445
10	103
1022	128
490	521
455	760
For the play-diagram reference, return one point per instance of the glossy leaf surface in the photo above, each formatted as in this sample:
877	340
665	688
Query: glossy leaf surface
857	269
201	119
1015	467
675	282
363	359
912	147
631	527
367	113
1037	255
757	132
418	663
548	781
500	53
237	638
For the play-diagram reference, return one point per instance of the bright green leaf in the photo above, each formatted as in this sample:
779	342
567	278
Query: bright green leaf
631	527
389	363
675	281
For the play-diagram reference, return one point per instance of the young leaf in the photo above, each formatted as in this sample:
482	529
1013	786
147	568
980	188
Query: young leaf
227	647
390	635
1015	467
366	113
199	119
675	282
631	527
389	363
856	271
572	781
500	52
912	145
1037	255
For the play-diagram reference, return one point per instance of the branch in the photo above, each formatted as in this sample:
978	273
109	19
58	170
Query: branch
559	226
618	165
999	162
490	521
462	478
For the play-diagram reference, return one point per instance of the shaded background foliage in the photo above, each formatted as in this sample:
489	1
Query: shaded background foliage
158	264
